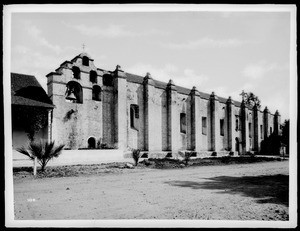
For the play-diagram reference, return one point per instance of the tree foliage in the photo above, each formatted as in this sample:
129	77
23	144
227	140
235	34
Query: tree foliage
285	135
43	151
272	144
251	100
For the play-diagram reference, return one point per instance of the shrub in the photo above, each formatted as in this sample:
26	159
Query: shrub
169	155
186	156
214	154
136	156
43	151
146	162
193	154
145	155
105	146
225	159
231	153
250	154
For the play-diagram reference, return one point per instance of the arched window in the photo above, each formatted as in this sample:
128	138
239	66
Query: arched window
93	76
182	122
134	115
76	72
91	142
85	61
96	93
107	80
74	92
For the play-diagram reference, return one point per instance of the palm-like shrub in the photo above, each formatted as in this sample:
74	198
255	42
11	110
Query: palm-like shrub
42	151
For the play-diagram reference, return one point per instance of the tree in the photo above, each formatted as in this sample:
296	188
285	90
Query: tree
43	151
251	99
285	135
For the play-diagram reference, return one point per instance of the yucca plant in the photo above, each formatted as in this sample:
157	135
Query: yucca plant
42	151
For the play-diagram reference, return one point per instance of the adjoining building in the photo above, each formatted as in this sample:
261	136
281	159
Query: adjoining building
31	110
97	108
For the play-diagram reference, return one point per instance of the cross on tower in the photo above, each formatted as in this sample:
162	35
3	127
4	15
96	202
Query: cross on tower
244	95
83	46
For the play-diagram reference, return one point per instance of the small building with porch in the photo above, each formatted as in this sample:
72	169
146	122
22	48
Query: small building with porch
31	110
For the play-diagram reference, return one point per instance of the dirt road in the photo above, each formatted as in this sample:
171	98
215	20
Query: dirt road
233	192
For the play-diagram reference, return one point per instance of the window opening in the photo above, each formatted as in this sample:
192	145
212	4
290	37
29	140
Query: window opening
222	127
96	93
76	72
134	115
182	122
204	126
93	76
250	130
85	61
107	80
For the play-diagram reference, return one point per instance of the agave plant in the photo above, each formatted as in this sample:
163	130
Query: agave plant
42	151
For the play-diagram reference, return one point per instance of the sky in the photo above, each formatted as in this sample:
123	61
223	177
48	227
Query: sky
225	52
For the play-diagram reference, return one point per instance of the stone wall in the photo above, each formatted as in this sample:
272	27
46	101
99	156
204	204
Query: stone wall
135	134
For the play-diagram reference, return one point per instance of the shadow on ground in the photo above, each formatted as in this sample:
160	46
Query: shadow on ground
265	188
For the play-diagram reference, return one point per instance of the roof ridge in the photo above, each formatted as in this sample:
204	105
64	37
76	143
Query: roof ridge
15	73
184	88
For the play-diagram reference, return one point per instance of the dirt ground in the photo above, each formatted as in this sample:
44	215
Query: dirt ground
254	191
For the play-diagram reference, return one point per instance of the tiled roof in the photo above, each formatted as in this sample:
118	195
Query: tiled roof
26	90
139	79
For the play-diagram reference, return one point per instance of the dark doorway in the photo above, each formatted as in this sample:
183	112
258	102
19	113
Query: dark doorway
91	142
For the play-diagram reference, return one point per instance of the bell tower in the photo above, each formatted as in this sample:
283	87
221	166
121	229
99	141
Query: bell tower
75	90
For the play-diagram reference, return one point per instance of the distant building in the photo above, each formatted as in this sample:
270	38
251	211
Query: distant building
31	109
96	108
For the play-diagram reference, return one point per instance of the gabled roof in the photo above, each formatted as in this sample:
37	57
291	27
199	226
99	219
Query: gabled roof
26	90
82	55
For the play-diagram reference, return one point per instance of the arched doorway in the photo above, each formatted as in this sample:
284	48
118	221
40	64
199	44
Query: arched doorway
91	142
237	145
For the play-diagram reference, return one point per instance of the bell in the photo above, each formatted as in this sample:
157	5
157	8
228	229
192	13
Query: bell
71	96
